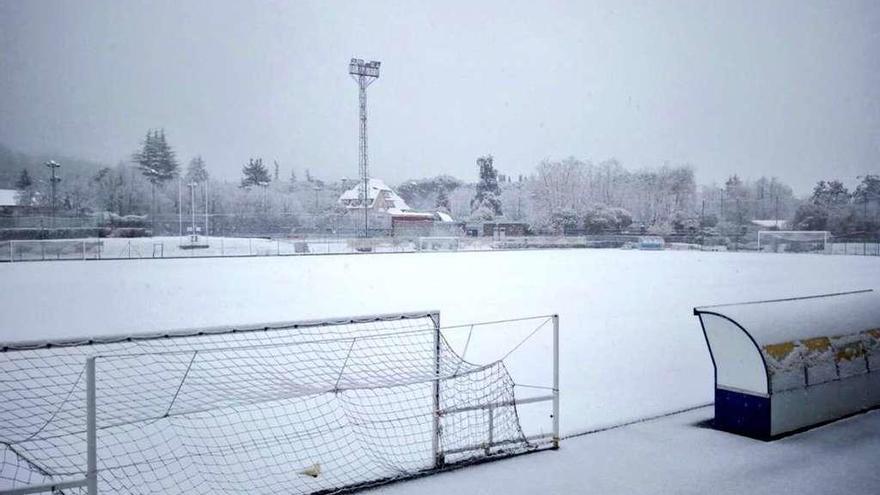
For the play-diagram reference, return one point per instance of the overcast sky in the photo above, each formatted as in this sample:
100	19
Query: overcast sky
790	89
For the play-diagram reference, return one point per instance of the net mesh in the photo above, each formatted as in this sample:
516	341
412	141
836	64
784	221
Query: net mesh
300	409
792	240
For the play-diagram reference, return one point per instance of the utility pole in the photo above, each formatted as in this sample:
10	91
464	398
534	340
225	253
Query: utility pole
364	73
54	180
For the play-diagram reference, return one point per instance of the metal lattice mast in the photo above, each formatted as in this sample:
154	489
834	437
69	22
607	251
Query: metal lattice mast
54	180
364	73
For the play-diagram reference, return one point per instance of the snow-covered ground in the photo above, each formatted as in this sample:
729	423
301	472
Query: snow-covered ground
630	346
678	454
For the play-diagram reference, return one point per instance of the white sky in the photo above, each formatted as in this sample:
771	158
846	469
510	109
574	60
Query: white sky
785	88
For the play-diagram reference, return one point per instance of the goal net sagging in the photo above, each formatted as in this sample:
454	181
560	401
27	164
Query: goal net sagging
315	407
793	241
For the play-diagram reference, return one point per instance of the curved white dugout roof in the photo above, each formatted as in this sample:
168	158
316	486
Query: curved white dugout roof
785	320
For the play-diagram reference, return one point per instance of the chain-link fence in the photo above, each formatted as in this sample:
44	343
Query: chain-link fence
188	246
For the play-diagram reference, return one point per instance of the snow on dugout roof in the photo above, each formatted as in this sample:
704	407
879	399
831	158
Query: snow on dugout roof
786	320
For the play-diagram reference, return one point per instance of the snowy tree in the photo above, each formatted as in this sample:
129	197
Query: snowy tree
255	174
600	218
810	216
442	202
156	162
196	170
25	187
156	159
424	193
487	197
867	194
24	181
830	194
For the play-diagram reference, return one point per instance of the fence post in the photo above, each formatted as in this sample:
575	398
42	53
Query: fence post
277	247
91	429
84	249
250	247
11	251
435	438
555	381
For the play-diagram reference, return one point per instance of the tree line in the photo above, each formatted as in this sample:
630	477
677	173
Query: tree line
570	195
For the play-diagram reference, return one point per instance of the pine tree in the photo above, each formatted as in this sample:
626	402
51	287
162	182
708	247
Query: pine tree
157	162
156	159
196	170
24	181
442	202
24	185
487	198
255	174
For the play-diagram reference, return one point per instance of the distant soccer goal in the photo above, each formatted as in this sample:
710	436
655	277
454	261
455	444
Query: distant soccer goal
438	244
793	241
321	406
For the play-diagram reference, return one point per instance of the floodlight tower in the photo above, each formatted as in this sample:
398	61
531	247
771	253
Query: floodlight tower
54	180
364	73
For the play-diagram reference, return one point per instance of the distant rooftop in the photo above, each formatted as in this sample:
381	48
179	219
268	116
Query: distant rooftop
376	188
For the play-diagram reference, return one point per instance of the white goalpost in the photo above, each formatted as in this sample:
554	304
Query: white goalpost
296	407
795	241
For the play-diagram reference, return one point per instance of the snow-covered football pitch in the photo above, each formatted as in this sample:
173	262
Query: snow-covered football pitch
630	346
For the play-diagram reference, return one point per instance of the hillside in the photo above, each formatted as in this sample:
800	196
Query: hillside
12	162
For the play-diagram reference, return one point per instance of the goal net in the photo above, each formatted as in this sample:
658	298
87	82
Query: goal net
306	407
438	243
793	241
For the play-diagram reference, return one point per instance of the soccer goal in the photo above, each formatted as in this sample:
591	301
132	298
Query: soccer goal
438	243
322	406
793	241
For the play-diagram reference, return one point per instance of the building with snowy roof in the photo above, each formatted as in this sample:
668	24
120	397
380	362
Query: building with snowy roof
8	201
788	364
380	198
389	213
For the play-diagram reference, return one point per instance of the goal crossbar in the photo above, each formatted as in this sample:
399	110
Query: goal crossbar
25	345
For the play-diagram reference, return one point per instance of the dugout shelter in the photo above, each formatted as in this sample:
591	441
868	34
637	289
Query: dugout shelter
789	364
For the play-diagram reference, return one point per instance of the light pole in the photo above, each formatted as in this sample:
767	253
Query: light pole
54	180
865	215
192	206
364	73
